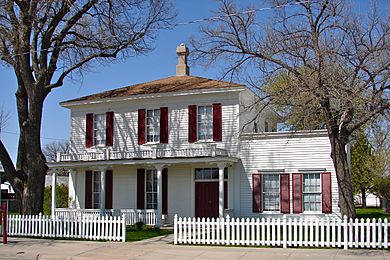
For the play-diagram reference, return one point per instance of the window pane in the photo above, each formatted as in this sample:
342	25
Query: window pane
198	174
207	173
215	173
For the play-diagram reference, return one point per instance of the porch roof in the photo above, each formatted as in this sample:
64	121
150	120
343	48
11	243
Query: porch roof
165	161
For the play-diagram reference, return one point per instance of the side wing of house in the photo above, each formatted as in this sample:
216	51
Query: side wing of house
287	173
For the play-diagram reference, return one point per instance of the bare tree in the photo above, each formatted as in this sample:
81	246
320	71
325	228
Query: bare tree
51	149
5	116
47	41
339	58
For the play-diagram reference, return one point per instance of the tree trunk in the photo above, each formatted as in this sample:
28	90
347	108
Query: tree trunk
364	196
340	162
31	163
386	205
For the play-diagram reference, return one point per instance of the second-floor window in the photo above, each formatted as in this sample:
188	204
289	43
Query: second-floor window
205	122
99	129
153	125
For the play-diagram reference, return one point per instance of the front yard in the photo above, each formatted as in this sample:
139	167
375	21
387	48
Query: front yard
137	233
371	213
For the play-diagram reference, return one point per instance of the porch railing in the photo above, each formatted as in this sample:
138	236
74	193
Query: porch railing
149	153
132	216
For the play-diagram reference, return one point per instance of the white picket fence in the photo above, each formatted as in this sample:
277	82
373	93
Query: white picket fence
283	232
147	216
88	227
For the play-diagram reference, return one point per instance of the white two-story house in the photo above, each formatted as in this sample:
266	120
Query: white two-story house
193	146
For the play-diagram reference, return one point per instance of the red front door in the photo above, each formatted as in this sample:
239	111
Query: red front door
206	199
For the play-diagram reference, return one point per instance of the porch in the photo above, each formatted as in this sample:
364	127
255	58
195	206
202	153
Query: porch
124	188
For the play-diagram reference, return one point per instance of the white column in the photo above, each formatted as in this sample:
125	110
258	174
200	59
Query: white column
159	194
102	189
72	192
221	167
53	192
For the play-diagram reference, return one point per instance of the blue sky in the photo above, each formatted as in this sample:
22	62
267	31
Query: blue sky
157	64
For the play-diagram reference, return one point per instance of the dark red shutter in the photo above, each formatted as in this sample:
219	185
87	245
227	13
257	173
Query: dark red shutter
164	125
109	189
141	126
297	192
192	127
165	191
109	128
217	122
88	189
285	193
225	194
140	188
256	193
326	192
89	131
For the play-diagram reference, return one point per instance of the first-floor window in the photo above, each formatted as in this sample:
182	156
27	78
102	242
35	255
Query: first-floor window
271	192
153	125
209	173
96	190
151	189
99	129
311	192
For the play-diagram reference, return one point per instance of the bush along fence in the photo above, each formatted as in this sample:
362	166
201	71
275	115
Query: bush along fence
283	232
88	227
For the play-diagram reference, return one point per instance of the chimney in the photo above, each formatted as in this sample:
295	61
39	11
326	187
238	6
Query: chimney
182	53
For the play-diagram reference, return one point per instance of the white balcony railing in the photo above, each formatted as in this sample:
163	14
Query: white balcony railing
151	153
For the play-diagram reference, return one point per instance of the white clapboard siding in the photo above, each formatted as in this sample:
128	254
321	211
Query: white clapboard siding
126	121
290	152
88	227
283	232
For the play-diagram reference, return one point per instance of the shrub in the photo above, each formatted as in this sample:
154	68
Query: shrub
61	198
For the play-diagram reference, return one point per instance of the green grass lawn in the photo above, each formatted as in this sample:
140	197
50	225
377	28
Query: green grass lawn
371	213
133	234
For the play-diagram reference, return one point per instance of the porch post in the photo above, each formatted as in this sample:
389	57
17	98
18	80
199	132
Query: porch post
102	189
53	192
159	168
221	167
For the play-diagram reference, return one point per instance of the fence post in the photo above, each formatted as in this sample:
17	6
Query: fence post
284	231
345	224
40	224
175	229
123	227
385	234
5	223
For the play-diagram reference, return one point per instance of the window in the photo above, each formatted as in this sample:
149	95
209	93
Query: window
255	130
205	122
311	192
153	125
151	189
209	173
271	192
99	129
96	190
266	128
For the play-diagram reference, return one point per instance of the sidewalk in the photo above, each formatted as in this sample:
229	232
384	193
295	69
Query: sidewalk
161	248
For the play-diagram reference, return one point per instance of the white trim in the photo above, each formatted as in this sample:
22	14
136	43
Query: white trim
143	163
68	104
288	134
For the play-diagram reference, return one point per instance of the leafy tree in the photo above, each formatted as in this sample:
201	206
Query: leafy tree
362	162
62	199
338	59
45	42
